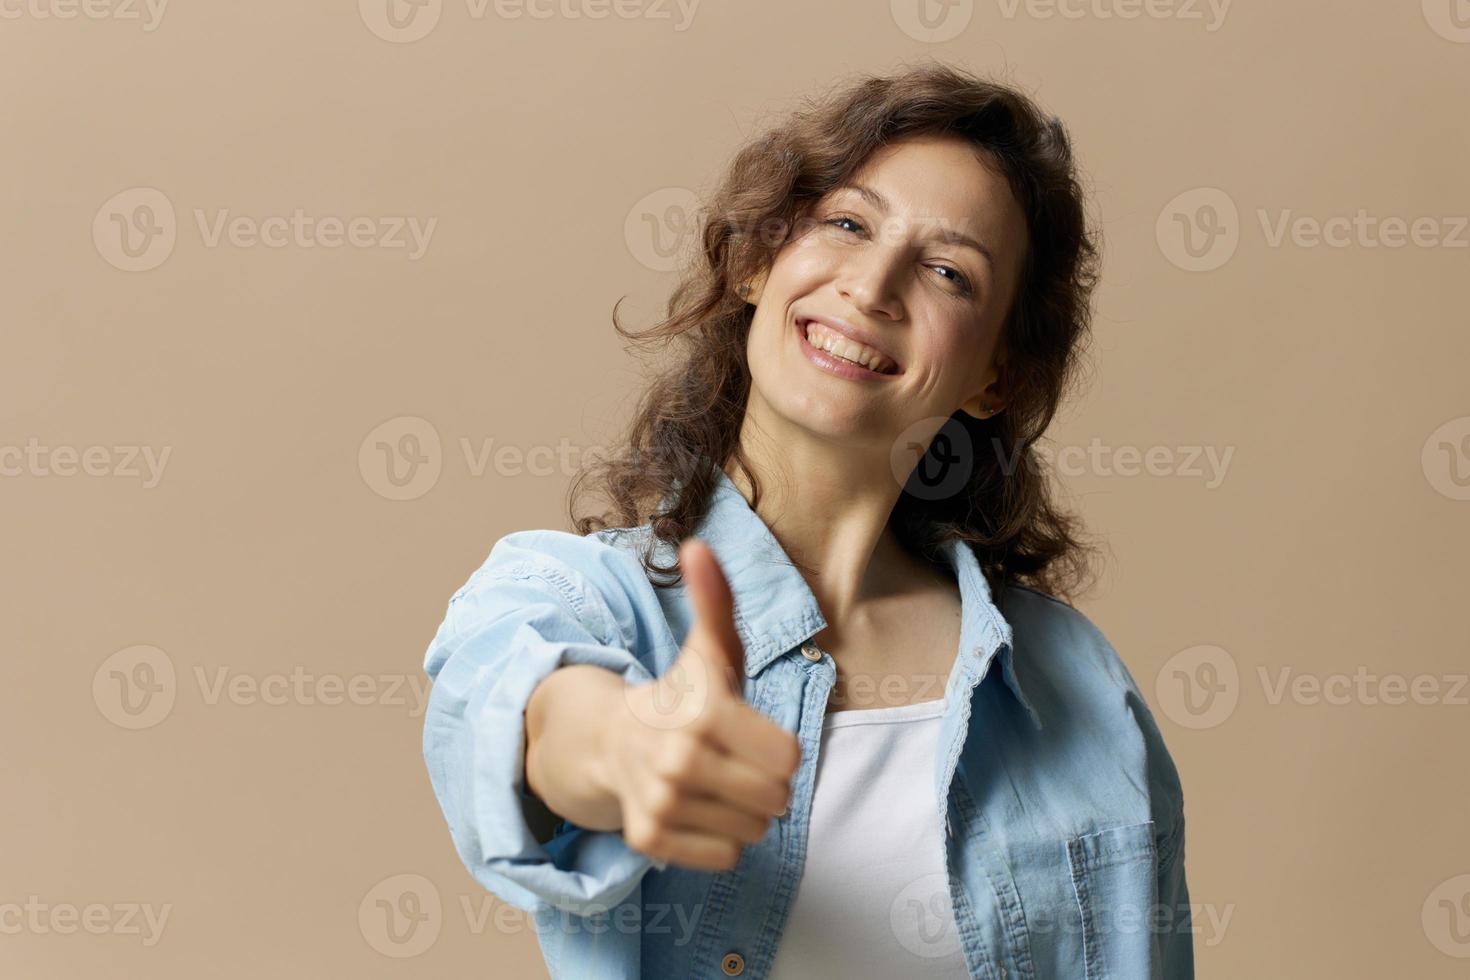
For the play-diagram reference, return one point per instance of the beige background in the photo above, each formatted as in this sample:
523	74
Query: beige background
545	150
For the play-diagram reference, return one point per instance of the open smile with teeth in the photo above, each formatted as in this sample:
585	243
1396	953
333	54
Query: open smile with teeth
839	346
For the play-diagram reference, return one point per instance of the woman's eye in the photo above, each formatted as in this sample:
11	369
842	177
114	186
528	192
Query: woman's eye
959	277
841	218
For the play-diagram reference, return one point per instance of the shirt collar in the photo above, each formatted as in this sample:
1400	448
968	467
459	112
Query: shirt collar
775	609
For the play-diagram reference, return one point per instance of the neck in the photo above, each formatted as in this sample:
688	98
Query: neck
828	504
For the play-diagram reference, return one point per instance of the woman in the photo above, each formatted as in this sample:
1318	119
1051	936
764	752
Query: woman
859	735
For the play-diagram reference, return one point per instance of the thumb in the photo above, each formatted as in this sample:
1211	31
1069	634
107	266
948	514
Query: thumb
713	635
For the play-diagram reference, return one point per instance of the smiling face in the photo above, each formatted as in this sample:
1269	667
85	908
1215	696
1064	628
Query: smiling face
914	266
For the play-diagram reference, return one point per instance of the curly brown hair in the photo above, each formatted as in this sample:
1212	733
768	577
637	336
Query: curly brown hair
687	425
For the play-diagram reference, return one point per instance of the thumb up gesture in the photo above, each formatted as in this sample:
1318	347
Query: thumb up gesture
699	773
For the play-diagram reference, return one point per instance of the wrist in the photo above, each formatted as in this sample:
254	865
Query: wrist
569	721
606	701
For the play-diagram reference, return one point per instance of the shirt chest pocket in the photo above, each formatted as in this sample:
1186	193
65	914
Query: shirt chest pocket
1115	880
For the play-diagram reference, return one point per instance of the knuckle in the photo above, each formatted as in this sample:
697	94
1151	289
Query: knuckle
655	841
735	717
664	800
642	836
707	719
680	756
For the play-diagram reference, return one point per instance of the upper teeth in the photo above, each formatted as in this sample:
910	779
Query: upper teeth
838	345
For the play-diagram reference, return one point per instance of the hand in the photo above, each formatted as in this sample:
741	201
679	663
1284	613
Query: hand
697	771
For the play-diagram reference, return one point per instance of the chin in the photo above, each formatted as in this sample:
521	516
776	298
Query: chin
830	418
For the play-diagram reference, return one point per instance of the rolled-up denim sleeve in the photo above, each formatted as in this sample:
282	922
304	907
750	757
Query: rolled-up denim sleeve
523	614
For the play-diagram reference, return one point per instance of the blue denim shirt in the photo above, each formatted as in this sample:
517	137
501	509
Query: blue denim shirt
1062	810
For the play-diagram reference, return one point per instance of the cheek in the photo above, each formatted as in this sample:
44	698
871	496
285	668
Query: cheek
802	260
767	334
957	356
798	271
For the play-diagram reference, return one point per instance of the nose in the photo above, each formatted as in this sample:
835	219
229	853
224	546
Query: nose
871	280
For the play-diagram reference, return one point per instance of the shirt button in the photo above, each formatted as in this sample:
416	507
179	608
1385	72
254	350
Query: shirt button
733	964
810	652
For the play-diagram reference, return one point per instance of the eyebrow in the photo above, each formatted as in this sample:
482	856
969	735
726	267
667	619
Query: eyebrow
946	234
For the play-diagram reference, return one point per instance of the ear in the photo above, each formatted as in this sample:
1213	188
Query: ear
990	400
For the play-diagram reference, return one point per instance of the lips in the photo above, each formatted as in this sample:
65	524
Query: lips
853	345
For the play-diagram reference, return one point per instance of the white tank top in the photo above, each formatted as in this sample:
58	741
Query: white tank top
873	899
